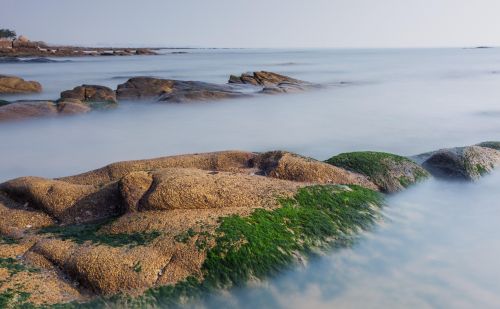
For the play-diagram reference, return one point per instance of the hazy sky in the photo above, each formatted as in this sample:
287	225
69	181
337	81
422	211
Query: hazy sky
257	23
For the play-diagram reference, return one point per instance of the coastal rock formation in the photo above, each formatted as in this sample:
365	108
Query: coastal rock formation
158	231
13	84
138	227
461	163
391	173
173	90
90	94
27	109
271	82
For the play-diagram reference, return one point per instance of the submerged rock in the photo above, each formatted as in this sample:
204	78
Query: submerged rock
20	110
391	173
461	163
13	84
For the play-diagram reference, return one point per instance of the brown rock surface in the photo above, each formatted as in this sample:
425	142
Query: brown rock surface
13	84
290	166
90	93
27	109
173	90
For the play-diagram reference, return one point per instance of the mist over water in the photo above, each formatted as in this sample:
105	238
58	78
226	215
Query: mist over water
437	246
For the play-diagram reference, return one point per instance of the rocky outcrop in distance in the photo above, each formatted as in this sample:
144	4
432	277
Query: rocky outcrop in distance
158	231
14	84
85	98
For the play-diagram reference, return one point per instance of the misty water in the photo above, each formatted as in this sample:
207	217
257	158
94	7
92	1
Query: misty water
437	246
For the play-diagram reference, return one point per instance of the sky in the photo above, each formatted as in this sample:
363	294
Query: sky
257	23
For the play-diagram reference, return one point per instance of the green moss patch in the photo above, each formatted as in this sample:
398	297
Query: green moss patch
15	299
385	169
266	243
81	233
13	266
5	240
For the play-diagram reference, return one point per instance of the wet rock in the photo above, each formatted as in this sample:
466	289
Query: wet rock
20	110
90	94
460	163
173	90
271	82
13	84
391	173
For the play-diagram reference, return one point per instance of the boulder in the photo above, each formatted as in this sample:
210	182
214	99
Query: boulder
391	173
169	90
290	166
90	94
460	163
27	109
271	82
13	84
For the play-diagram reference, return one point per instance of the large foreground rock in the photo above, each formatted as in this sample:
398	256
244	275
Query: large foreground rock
461	163
166	220
13	84
390	172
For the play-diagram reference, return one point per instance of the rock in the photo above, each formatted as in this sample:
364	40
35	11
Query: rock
90	94
461	163
391	173
72	107
66	202
191	219
229	161
178	188
290	166
144	51
272	82
27	109
173	90
13	84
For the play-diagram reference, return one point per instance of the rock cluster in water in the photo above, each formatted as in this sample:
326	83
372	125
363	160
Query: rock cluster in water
85	98
153	232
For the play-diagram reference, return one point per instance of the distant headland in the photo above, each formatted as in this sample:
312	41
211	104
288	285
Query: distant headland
12	45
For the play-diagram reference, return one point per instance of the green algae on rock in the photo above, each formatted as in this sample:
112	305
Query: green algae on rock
266	242
390	172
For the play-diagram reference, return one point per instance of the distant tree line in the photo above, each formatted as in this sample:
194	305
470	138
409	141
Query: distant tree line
7	34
